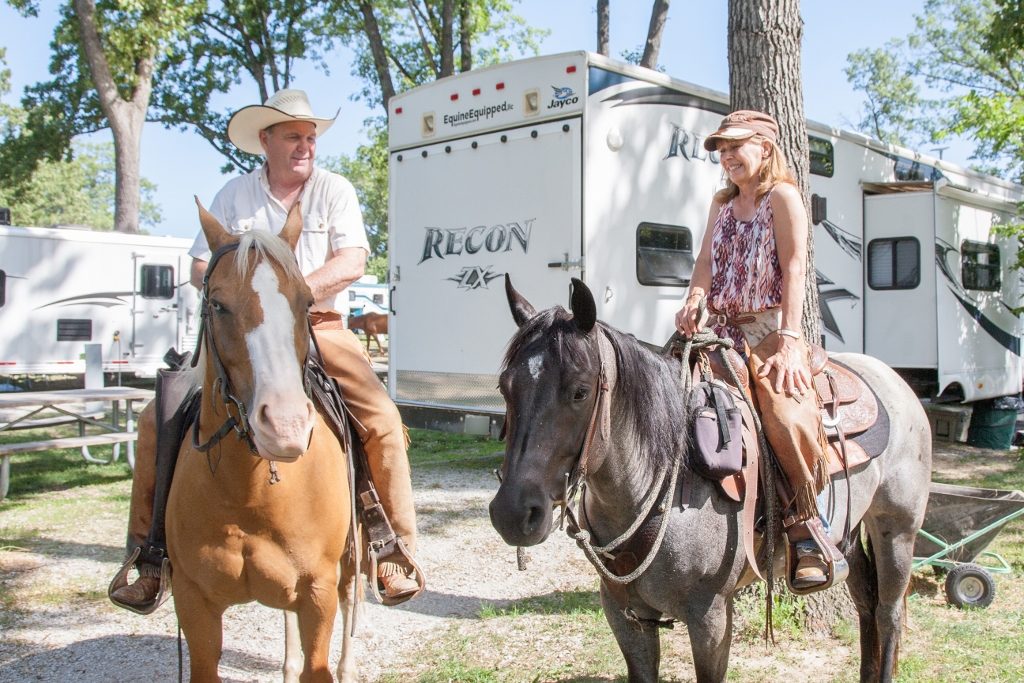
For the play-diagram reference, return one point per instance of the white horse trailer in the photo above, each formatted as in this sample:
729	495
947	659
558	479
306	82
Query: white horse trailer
63	288
575	164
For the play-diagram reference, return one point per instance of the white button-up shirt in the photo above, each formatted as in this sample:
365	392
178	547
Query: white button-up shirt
331	218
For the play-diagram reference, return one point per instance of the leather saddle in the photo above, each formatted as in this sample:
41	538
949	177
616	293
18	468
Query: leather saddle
849	408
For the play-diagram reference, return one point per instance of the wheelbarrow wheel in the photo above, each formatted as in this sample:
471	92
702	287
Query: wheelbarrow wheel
969	585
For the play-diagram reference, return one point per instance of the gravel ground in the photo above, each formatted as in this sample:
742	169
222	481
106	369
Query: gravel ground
466	564
60	627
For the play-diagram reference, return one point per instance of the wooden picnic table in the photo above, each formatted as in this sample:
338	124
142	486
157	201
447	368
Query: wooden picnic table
34	409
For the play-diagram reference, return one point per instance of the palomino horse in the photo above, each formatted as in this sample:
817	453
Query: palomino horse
575	387
259	506
371	324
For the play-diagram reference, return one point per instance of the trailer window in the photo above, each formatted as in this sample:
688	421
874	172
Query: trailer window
157	282
823	156
664	255
894	263
74	330
979	266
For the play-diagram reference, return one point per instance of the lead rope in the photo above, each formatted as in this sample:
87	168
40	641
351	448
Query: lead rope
704	339
582	536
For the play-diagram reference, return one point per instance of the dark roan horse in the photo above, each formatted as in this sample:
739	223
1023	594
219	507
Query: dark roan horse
551	382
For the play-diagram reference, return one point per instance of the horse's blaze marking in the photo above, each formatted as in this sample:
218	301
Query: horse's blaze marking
536	364
272	361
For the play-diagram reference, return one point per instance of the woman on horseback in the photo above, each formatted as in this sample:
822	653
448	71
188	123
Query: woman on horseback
751	272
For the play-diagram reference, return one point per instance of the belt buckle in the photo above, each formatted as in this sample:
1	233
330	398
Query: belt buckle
719	319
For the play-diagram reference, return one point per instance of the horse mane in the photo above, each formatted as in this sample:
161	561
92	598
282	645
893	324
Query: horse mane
648	400
651	398
269	246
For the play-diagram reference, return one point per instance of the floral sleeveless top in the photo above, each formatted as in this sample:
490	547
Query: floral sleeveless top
745	273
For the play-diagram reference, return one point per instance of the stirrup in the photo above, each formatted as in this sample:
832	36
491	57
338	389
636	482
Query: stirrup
836	566
120	580
374	582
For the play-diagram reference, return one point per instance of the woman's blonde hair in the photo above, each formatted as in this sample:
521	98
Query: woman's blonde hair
774	171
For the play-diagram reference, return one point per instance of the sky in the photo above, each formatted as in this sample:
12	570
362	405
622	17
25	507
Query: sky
182	164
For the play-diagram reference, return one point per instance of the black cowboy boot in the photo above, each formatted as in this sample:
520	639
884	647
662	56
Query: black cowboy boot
176	391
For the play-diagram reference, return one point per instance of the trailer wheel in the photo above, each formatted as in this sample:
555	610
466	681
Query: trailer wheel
969	585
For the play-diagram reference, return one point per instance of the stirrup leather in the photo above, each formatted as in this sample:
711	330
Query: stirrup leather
836	566
120	580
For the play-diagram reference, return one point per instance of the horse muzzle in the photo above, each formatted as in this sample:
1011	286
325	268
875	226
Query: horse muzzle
521	518
281	431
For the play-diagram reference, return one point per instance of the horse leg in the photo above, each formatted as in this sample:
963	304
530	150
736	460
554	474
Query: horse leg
201	621
640	646
316	622
893	557
292	648
710	630
346	671
863	585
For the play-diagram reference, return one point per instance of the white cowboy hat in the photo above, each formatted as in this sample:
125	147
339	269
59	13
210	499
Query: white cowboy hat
284	105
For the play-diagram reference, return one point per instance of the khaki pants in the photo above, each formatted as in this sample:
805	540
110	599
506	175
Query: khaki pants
792	426
379	426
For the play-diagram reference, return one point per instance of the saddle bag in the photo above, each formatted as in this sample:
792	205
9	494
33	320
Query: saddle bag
717	431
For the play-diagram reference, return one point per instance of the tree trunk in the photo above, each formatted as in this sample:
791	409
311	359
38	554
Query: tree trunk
603	22
465	36
659	13
764	74
447	39
380	56
125	116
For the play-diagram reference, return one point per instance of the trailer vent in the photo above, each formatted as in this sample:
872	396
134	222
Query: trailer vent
74	330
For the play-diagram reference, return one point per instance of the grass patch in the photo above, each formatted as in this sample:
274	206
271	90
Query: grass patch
58	469
454	451
585	603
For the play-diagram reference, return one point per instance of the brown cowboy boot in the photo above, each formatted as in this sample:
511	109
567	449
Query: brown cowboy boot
143	592
811	570
393	576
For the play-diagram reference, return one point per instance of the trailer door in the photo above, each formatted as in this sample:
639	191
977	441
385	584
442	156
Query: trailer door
899	294
463	213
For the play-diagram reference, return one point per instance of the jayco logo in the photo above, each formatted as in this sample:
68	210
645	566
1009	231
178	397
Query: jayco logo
563	97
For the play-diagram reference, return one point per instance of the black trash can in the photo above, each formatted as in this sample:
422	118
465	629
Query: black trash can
994	423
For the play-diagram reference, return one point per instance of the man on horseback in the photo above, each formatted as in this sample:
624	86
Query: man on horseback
331	253
750	270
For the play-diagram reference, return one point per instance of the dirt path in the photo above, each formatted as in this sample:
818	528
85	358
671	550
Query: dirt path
56	624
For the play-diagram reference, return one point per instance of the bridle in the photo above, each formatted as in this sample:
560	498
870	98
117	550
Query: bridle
237	416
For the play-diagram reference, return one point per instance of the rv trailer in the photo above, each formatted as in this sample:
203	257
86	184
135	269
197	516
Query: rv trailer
578	165
63	288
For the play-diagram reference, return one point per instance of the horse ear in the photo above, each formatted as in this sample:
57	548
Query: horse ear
292	226
521	308
216	235
581	302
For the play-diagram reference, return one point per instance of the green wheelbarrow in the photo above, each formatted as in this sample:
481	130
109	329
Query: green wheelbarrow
959	523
